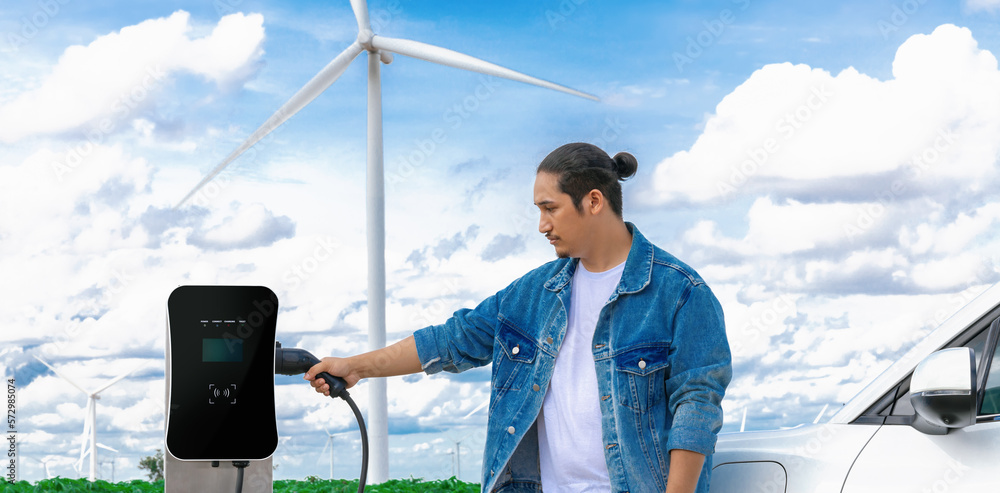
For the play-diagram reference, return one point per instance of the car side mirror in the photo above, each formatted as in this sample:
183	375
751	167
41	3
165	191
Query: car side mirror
943	391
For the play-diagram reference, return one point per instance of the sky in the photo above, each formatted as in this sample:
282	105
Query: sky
826	167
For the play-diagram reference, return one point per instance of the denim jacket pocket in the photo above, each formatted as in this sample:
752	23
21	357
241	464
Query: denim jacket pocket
641	373
517	352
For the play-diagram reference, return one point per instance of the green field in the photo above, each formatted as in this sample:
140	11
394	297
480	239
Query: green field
312	485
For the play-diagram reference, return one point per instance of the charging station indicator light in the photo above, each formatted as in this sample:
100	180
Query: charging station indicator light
229	350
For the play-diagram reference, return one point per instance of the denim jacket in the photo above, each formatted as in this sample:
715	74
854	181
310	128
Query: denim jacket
660	351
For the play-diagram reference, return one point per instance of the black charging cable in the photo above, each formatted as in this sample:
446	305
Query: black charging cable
295	361
240	465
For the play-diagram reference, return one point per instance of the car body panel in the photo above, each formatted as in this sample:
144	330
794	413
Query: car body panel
966	459
806	453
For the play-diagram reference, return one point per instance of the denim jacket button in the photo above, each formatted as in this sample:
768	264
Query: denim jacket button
515	350
548	340
642	364
535	387
510	429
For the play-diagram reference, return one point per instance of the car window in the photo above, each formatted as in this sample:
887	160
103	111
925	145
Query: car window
991	394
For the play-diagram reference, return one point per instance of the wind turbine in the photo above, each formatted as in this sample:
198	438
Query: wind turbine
90	423
379	48
112	461
329	445
45	464
457	465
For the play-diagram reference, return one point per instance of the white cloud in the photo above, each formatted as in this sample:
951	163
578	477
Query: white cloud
868	216
951	237
93	87
795	128
989	5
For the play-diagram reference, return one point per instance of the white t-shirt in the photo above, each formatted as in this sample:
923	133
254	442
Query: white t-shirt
571	451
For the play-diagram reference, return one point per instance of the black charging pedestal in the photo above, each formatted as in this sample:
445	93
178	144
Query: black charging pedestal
220	388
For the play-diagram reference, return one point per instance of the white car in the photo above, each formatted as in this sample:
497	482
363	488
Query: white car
928	423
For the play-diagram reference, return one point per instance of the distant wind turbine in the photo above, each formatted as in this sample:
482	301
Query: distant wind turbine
378	48
456	466
112	461
45	464
90	422
329	445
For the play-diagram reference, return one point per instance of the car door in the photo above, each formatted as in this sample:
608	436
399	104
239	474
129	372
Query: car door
899	458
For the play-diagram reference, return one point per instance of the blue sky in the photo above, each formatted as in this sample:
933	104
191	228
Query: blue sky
826	167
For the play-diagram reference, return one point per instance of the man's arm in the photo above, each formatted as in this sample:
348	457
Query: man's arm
685	468
398	359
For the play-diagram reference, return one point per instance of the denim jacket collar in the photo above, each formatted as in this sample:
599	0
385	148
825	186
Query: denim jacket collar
638	267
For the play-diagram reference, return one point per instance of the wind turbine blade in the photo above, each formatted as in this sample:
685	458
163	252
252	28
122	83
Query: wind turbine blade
313	88
64	377
455	59
476	410
360	8
320	456
117	379
821	413
105	447
83	437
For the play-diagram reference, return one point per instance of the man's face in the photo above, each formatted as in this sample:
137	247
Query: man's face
560	222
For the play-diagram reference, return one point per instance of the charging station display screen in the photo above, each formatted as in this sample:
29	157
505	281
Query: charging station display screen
226	350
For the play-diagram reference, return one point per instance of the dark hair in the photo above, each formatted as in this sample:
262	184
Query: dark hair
584	167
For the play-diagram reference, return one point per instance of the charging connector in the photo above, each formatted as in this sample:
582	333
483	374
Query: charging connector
295	361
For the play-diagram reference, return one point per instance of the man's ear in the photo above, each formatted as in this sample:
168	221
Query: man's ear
594	202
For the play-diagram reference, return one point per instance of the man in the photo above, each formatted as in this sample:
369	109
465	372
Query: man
609	364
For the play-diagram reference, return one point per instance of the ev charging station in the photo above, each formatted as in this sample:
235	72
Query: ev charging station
220	387
221	357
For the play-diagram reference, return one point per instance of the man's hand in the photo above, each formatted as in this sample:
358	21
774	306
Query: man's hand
338	367
685	467
398	359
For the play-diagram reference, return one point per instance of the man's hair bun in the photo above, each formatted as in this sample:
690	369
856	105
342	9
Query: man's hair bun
625	165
